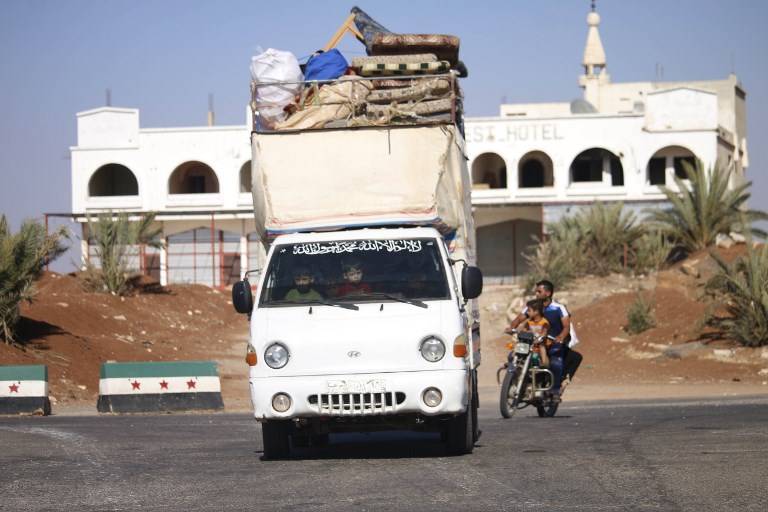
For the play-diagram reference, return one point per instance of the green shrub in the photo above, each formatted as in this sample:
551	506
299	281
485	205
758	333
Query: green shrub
651	251
592	241
22	258
705	207
553	259
743	287
113	236
604	231
639	316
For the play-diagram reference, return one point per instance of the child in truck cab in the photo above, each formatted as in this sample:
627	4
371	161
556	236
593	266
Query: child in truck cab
303	290
352	272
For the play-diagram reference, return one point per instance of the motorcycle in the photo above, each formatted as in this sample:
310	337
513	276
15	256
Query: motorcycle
525	381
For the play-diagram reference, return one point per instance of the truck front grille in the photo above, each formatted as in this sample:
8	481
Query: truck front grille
356	404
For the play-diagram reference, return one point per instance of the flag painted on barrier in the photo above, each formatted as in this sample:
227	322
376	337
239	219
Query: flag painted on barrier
24	389
159	386
23	381
157	377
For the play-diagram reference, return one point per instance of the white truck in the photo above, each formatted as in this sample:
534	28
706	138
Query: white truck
364	315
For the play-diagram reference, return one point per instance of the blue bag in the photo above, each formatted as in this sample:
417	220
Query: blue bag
325	66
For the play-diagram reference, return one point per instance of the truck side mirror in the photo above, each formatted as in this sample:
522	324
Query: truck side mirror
242	298
471	282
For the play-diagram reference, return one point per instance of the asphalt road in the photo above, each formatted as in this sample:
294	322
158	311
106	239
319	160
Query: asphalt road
627	456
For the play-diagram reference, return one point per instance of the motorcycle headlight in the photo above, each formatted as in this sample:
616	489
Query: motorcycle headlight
432	349
276	356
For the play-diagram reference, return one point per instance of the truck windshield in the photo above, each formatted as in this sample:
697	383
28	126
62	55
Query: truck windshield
355	271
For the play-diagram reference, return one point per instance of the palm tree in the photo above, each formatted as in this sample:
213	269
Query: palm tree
22	258
114	235
704	207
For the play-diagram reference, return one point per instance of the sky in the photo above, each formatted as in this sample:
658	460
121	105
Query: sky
58	57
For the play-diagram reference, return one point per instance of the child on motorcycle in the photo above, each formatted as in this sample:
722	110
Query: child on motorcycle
539	326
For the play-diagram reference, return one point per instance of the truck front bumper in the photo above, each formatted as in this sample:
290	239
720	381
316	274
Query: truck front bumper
368	394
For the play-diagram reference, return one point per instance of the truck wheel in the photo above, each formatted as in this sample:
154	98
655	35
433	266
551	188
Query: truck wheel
475	405
275	436
459	434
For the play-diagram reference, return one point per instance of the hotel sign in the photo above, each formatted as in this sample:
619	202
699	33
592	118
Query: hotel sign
514	132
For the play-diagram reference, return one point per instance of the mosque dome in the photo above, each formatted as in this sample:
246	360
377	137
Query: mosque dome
580	106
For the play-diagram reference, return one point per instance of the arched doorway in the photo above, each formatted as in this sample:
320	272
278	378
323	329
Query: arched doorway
245	177
489	171
193	178
597	165
113	180
669	161
535	169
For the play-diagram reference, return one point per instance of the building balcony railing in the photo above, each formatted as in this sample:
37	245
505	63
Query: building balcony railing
193	200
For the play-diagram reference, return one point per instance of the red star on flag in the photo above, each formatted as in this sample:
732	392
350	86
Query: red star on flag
14	388
191	384
136	384
163	384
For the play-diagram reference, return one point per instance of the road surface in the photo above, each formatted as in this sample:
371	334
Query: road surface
695	455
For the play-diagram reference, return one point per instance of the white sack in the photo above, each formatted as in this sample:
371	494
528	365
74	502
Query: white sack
275	66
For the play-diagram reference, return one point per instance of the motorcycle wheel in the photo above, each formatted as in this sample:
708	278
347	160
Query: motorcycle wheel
547	409
507	405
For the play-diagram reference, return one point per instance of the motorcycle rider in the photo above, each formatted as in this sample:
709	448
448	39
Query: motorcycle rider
559	327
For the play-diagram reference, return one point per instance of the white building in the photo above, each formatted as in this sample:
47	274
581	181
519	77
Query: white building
530	165
535	162
197	180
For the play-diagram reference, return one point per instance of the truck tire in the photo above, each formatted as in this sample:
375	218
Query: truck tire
459	434
475	406
276	439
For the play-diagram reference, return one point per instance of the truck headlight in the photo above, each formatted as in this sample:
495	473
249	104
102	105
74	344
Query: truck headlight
281	402
432	397
276	356
432	349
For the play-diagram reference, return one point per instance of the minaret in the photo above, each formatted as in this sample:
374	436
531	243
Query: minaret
595	73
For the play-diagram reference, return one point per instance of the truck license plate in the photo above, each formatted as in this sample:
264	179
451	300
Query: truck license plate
356	386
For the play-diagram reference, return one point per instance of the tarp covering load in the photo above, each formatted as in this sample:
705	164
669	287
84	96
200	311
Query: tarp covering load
352	178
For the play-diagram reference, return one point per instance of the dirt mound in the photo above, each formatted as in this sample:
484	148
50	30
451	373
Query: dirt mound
678	350
672	351
74	331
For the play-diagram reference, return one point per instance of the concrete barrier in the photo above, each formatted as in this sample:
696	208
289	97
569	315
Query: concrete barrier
159	386
24	390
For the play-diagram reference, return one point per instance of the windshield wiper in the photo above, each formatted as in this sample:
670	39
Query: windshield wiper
413	302
324	302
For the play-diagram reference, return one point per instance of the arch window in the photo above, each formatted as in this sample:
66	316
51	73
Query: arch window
667	162
489	171
113	180
193	178
245	177
597	165
535	170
